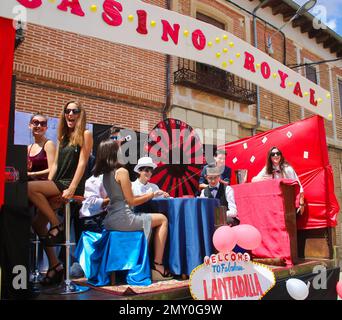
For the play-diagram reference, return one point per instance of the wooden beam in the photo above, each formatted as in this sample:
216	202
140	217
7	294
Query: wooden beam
298	22
278	8
271	3
322	37
335	47
327	43
288	15
314	33
305	27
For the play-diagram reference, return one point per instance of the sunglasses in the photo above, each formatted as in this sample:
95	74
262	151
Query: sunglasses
115	138
146	169
273	154
74	111
36	123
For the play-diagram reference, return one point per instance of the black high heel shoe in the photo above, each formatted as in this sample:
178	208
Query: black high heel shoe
52	240
54	275
158	276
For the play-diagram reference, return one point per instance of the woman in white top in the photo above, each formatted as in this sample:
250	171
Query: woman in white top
144	169
277	168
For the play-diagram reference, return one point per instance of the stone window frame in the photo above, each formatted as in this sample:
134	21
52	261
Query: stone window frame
213	13
339	93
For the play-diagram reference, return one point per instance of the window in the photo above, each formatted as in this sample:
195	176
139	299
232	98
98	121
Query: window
339	84
204	18
204	68
311	73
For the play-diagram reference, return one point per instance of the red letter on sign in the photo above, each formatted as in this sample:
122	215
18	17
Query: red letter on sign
142	17
31	4
298	90
74	5
249	62
265	70
283	77
112	14
198	39
167	30
312	98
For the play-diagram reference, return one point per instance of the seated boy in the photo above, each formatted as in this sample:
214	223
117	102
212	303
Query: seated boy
94	205
225	194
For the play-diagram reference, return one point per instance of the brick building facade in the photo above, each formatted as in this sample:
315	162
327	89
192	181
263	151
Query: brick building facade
123	85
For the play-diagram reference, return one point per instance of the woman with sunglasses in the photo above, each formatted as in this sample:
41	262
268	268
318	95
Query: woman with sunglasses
66	178
120	217
278	168
141	185
41	153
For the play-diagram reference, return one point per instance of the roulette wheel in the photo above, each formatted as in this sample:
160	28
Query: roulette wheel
177	150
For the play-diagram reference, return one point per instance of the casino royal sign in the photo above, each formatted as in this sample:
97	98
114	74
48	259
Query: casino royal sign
145	26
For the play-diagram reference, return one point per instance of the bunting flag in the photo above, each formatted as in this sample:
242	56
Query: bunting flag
7	38
304	146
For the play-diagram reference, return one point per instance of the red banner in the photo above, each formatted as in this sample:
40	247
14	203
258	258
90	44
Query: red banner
7	38
303	144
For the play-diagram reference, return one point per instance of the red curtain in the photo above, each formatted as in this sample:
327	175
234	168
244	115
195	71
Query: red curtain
7	38
303	144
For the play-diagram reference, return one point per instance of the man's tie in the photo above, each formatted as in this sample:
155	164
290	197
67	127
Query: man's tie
212	189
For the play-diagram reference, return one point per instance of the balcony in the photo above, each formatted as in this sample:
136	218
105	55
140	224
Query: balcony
213	80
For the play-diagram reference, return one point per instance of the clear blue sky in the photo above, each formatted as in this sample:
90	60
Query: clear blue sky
329	11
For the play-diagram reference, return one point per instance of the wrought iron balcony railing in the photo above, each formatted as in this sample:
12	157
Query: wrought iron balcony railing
213	80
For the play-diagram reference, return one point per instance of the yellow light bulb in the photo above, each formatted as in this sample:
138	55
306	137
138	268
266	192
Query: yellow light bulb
217	39
257	65
330	116
186	33
238	55
210	44
231	44
274	75
225	37
224	64
93	8
131	17
306	93
153	23
218	55
231	61
225	50
328	95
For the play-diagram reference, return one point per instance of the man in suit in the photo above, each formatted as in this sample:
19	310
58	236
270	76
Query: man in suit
225	172
225	194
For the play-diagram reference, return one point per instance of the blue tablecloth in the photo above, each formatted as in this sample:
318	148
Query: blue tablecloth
191	228
99	254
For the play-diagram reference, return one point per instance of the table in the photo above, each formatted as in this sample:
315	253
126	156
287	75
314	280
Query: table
191	228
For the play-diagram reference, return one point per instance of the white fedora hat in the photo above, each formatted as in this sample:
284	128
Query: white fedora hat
144	162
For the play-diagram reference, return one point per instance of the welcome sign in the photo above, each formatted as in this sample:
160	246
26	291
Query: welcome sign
230	276
145	26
